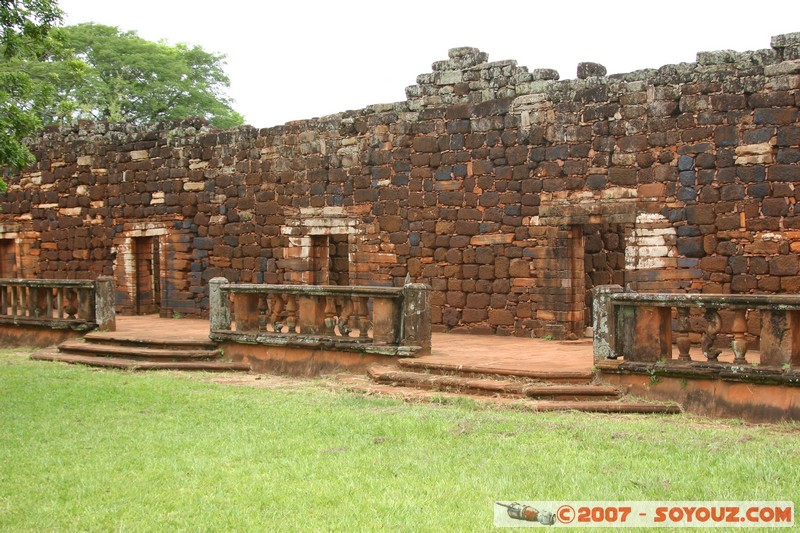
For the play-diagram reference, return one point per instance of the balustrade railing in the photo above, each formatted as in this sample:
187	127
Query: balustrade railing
308	314
79	304
641	326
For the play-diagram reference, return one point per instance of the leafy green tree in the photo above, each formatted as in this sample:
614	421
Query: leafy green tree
130	79
25	37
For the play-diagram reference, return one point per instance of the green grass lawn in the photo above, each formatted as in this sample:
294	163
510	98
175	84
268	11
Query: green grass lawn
83	449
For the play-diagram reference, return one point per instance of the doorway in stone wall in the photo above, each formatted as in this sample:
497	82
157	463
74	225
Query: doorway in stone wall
8	258
148	275
604	260
339	259
329	261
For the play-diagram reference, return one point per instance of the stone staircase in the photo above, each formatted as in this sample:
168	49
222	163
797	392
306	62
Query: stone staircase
535	390
129	353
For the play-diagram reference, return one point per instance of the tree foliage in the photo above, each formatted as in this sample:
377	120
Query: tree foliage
51	74
25	36
130	79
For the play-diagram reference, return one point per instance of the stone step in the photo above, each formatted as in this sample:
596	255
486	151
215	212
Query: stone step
487	370
138	352
123	339
131	364
485	386
362	385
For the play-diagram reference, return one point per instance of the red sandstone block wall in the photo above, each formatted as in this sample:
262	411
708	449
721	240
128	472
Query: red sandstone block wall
510	192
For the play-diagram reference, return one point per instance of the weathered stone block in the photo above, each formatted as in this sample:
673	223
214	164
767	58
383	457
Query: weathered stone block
588	69
501	317
783	265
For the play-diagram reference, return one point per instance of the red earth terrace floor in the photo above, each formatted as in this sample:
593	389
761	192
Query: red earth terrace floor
500	355
509	354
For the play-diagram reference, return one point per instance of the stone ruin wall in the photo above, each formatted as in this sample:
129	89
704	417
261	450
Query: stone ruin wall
511	192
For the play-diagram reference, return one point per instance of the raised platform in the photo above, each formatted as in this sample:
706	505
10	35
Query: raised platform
498	369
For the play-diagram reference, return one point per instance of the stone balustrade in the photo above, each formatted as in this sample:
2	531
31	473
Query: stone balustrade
640	327
348	318
58	304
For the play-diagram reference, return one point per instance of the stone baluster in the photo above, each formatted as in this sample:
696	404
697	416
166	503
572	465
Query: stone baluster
739	344
276	307
682	339
262	312
345	316
22	301
40	302
4	299
363	317
85	304
291	312
33	302
71	302
60	302
330	316
48	304
713	325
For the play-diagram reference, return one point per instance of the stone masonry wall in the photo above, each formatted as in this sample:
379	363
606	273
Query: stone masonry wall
511	192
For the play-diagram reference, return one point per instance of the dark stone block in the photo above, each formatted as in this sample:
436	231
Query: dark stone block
688	231
783	265
687	178
743	283
686	194
588	69
203	243
774	207
760	135
492	107
771	99
788	156
784	173
756	173
738	264
676	215
633	143
789	136
726	158
691	246
559	151
622	176
775	116
726	136
700	215
758	190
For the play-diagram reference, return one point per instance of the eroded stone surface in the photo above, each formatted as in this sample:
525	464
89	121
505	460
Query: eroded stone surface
661	179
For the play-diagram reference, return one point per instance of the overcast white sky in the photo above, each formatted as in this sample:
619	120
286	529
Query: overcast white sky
292	59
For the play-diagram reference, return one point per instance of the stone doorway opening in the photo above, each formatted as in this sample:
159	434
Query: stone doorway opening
8	258
327	259
147	266
603	260
321	246
330	256
143	269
